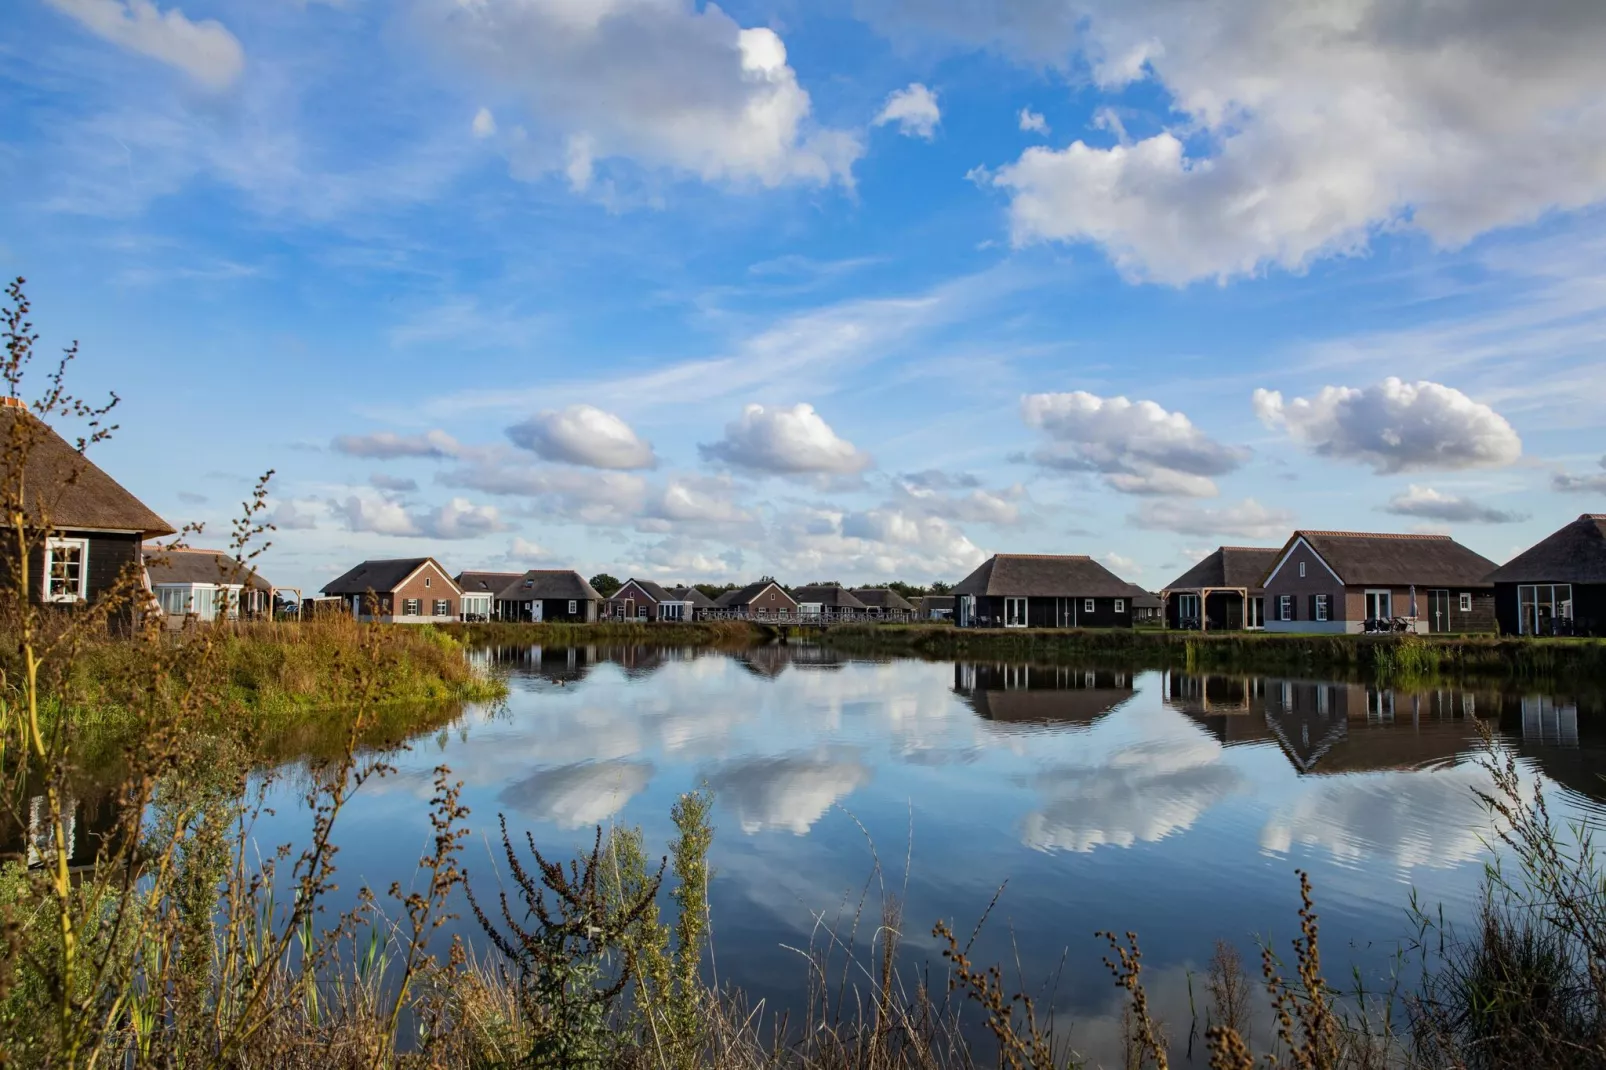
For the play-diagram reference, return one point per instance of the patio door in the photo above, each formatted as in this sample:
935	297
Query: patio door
537	610
1439	611
1014	612
1379	605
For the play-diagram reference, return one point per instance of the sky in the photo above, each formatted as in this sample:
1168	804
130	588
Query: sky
842	290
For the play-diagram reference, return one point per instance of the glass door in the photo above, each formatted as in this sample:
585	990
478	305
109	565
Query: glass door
1379	605
1439	611
1014	612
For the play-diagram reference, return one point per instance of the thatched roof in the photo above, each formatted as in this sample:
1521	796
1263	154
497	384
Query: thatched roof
1142	599
539	584
164	565
698	599
484	582
1397	560
66	488
647	587
882	598
379	576
1043	576
1575	554
1229	566
936	601
828	595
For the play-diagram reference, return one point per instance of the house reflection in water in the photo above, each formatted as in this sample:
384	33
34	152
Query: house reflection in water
91	826
1041	694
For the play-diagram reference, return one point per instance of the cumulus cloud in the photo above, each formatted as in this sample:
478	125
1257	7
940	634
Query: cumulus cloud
459	518
694	500
873	542
1248	519
1122	566
669	83
204	50
484	124
789	793
1298	132
591	497
1138	447
586	436
393	484
1032	122
1593	483
959	498
783	440
1430	504
579	795
914	109
295	514
1394	426
387	445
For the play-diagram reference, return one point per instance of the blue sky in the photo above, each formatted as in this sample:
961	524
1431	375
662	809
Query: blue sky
858	289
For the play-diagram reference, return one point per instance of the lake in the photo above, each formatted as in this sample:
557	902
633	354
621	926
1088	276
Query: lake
1175	805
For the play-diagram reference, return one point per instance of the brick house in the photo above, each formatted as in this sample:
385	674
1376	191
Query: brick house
407	590
764	600
1338	581
1044	591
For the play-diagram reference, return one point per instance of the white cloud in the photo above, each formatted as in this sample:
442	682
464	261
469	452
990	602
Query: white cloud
659	81
786	441
1594	483
698	500
392	484
462	519
580	795
484	125
584	435
377	516
1032	122
590	497
457	519
873	543
387	445
1122	566
205	50
1248	519
789	793
960	498
1138	447
1299	131
1433	505
686	560
1395	426
914	109
294	514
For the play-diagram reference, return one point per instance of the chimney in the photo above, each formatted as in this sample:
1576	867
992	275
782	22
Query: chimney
13	403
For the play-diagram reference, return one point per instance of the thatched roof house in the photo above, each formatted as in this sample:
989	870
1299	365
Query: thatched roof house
1558	585
1043	591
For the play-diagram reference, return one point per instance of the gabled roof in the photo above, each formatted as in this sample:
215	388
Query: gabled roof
882	598
484	582
828	595
62	485
1043	576
1229	566
698	599
544	583
381	576
1359	558
732	599
647	587
1575	554
164	565
1142	599
937	601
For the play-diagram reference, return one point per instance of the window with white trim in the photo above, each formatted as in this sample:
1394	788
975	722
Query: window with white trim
412	607
426	581
66	570
574	606
1285	607
1302	570
1466	601
1120	605
1321	606
1087	605
443	607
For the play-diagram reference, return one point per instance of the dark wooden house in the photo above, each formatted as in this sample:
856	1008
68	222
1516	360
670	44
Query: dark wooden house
885	603
1222	591
1338	581
1557	586
828	601
85	530
1043	591
550	595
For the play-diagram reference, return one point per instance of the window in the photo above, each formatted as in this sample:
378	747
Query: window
66	570
1187	610
426	581
443	607
784	613
574	606
1302	570
1466	601
1321	606
1379	605
1014	612
1540	608
1087	605
1120	605
175	601
411	607
1285	607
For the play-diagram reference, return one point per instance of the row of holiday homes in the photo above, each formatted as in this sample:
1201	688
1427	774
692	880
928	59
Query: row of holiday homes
93	532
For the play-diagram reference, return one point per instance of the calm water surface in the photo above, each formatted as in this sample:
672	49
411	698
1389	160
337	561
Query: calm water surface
1176	805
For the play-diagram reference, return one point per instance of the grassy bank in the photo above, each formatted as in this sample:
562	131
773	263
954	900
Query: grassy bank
719	633
1400	658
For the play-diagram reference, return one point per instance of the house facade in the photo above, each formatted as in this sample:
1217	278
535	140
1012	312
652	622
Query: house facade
827	602
479	591
764	600
641	600
885	603
687	604
1348	582
553	596
205	585
86	531
1557	586
410	590
1222	591
1043	591
936	607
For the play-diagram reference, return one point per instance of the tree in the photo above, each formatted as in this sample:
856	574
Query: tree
607	586
939	587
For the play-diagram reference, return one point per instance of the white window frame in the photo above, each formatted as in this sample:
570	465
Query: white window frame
1321	607
1302	570
1023	617
1087	605
442	607
82	593
412	607
1120	605
1466	601
1285	607
426	581
574	605
1379	596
